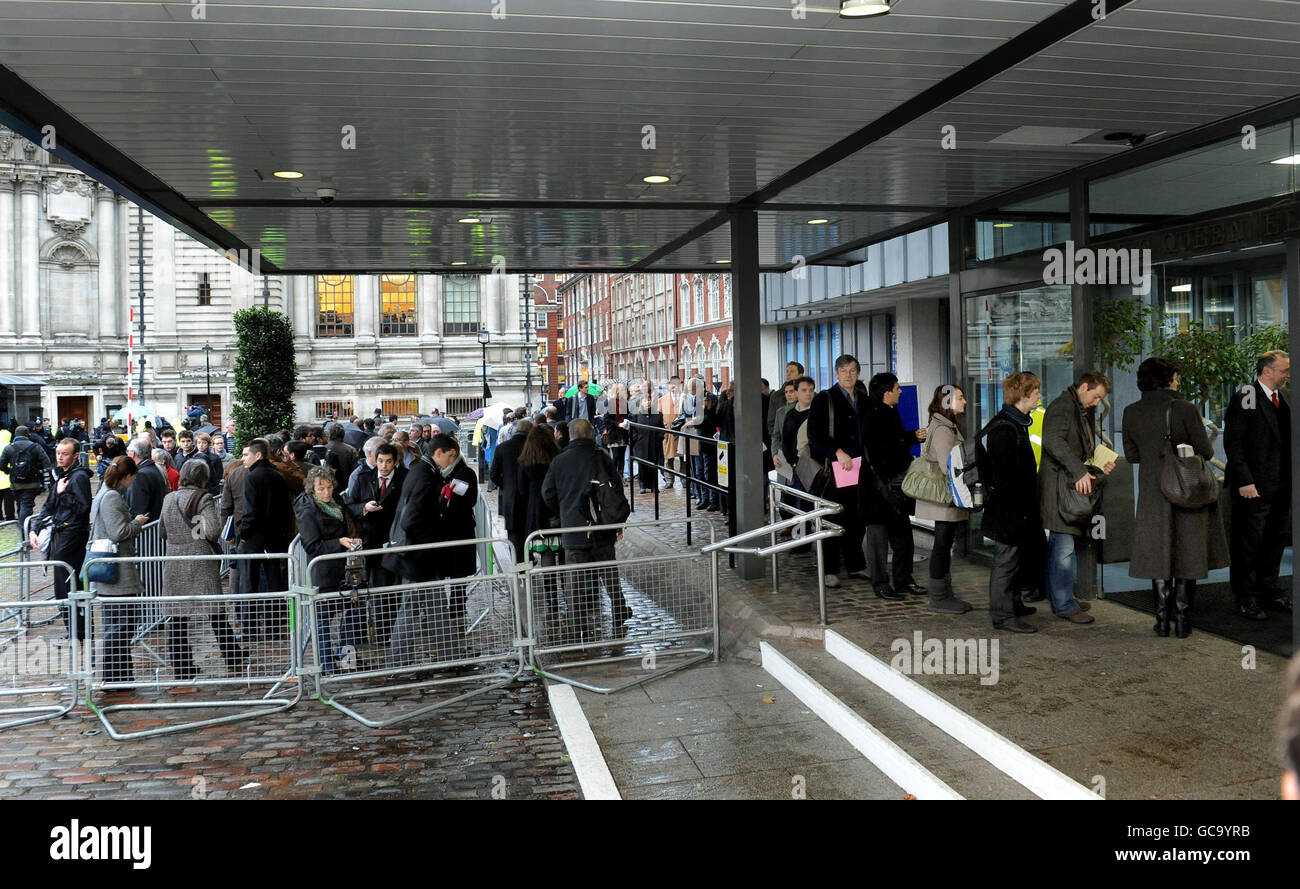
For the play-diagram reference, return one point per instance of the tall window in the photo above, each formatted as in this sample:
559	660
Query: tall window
726	295
698	301
205	289
685	291
715	359
397	306
713	298
334	305
686	360
460	304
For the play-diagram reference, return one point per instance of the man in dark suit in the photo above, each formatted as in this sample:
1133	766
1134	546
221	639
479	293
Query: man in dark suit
835	435
265	526
373	499
436	506
889	450
580	406
145	496
68	508
1257	441
505	472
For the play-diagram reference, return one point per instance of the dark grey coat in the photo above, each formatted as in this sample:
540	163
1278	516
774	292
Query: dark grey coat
1171	542
1068	442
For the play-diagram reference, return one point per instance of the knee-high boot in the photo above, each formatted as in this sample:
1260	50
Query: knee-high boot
1163	600
1184	593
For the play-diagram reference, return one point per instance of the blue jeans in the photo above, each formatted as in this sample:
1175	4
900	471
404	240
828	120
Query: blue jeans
1060	571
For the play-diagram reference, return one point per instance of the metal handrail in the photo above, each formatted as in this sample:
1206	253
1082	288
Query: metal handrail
786	544
769	529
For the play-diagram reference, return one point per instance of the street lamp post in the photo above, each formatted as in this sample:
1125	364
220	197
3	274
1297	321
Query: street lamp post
207	368
483	339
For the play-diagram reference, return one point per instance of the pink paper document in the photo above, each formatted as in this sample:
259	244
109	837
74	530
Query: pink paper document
847	478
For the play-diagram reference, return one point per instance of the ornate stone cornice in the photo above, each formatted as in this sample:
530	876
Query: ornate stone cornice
29	182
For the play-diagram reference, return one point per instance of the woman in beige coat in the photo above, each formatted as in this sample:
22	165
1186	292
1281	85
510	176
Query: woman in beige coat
944	433
191	527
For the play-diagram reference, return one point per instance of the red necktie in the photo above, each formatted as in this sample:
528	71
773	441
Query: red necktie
383	486
1276	403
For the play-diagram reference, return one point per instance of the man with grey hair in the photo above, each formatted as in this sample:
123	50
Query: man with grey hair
1257	442
366	464
145	496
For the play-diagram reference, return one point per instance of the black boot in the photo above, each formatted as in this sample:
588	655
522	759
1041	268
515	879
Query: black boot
1184	592
1163	600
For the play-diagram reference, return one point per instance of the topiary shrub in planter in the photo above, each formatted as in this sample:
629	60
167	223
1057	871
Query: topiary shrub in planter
265	374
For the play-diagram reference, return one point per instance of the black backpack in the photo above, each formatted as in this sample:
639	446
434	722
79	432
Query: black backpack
606	503
24	467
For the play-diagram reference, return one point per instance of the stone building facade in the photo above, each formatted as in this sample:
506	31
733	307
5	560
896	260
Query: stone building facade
72	314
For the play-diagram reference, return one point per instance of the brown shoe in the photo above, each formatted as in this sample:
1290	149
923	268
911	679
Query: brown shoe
1084	605
1077	617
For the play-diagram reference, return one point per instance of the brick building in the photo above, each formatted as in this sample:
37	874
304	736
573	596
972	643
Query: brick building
587	326
703	334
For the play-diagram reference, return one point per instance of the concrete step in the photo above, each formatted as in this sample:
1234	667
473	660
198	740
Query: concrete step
722	731
926	760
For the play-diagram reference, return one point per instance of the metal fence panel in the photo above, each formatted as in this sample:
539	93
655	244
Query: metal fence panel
388	646
230	651
39	667
634	618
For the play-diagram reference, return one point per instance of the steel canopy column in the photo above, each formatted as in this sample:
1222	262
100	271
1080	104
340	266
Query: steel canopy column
747	451
1080	294
1293	303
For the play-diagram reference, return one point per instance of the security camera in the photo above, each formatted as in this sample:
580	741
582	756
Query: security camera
326	194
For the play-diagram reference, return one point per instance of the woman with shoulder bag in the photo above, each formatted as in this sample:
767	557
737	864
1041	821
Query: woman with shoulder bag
943	434
1179	546
324	527
112	534
191	526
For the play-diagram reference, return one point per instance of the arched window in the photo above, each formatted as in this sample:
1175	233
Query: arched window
397	305
333	305
726	361
715	359
686	360
699	357
726	296
698	302
713	298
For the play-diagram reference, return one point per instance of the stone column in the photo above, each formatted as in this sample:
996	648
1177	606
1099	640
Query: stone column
428	289
29	257
490	304
106	243
125	271
302	286
365	296
8	292
164	279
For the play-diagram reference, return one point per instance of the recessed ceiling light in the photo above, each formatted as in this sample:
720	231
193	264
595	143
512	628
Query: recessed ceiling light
818	221
1003	224
722	261
287	174
1293	159
1181	288
656	179
460	262
469	219
861	8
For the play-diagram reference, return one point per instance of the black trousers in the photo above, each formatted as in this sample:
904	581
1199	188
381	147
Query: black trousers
1002	600
896	534
120	623
181	653
8	511
1258	539
846	550
70	548
941	555
582	585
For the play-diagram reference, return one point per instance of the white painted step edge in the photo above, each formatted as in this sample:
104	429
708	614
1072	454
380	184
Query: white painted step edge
883	753
1017	763
584	752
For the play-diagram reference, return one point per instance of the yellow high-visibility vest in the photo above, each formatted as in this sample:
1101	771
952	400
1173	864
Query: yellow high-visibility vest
1036	432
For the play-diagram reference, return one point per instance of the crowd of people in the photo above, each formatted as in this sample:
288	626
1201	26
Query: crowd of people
401	488
564	467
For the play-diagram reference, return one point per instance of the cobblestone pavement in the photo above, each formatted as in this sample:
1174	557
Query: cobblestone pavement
500	742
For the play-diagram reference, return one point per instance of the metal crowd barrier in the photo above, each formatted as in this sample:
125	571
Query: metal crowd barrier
656	606
445	632
210	655
27	588
801	533
148	544
39	675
